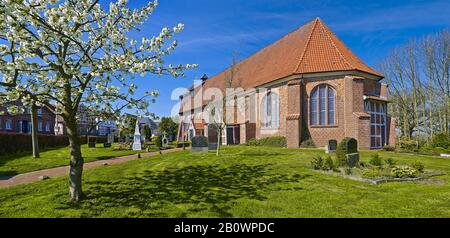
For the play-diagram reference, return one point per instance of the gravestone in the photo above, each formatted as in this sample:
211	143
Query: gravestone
109	141
331	146
137	138
352	159
164	140
91	143
199	144
111	138
351	146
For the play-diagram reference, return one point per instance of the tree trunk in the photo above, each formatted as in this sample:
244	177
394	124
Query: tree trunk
218	140
76	162
34	135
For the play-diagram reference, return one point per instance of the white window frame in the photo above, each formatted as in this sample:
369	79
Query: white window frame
382	112
271	121
318	111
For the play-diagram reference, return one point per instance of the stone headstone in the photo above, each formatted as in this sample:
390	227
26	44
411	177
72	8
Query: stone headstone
331	146
351	146
111	138
137	138
352	159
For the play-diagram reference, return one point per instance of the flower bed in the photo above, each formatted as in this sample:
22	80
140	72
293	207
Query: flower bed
377	171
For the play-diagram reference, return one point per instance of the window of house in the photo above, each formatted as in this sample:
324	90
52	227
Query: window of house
47	126
377	113
8	124
19	126
322	106
40	126
39	111
270	110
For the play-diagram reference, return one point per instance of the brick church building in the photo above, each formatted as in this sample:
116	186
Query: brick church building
306	86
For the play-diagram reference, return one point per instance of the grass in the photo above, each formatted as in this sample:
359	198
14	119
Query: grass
24	162
242	182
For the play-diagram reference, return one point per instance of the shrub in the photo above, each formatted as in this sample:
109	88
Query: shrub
122	146
309	143
390	162
253	142
375	160
15	143
328	163
371	173
417	165
317	162
158	141
348	171
341	159
199	141
407	144
440	140
179	144
274	141
388	148
404	172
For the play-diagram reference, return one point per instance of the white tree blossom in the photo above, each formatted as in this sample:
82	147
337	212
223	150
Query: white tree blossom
75	52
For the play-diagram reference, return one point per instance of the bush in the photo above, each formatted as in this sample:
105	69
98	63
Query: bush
440	140
417	165
341	158
404	172
158	141
407	144
390	162
199	141
371	173
15	143
388	148
375	160
122	146
348	171
328	164
253	142
309	143
274	141
317	162
179	144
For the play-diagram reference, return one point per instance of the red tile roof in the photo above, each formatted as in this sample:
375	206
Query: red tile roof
311	48
199	124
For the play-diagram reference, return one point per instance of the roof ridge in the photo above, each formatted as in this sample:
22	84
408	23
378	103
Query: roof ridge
327	33
306	45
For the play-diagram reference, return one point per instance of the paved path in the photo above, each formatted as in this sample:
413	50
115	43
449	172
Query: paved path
62	171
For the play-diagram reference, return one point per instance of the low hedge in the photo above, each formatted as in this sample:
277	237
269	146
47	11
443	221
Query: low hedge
274	141
199	141
15	143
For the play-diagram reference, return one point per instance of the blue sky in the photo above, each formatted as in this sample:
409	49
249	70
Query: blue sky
217	29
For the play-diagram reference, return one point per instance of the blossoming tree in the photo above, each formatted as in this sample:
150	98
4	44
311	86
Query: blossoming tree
76	52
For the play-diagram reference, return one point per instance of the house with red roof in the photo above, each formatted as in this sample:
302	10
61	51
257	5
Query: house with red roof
306	86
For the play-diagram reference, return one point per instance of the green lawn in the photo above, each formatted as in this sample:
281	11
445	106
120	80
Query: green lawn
242	182
24	162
